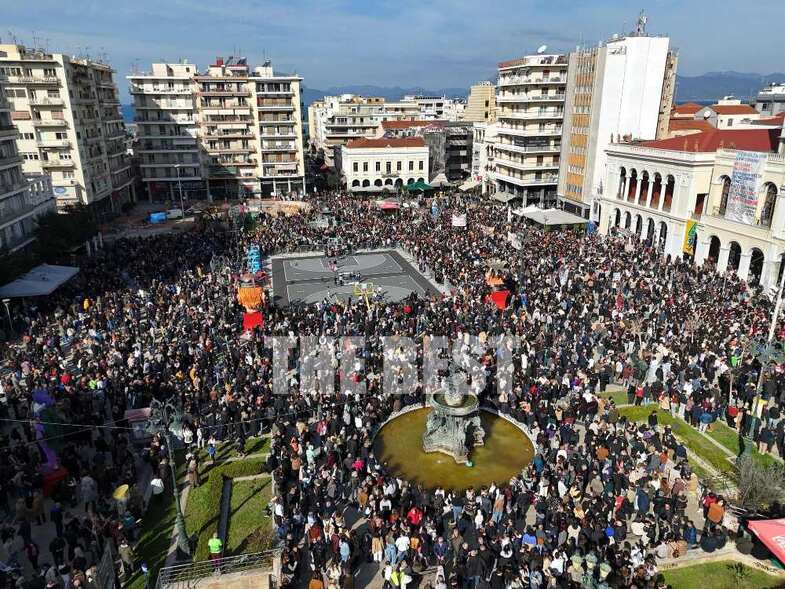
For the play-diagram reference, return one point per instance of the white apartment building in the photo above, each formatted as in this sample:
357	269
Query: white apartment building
622	89
67	112
226	132
529	113
728	113
334	121
438	108
22	200
771	100
658	191
386	164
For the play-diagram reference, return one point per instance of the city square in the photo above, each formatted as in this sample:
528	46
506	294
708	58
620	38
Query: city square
522	331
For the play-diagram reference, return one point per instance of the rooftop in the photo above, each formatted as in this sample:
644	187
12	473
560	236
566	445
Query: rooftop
386	143
676	124
711	141
733	109
408	124
686	108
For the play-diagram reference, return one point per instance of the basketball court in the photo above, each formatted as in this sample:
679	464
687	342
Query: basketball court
311	279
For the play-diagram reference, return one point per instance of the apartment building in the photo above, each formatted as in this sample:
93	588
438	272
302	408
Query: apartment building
386	164
67	112
438	108
22	199
771	100
334	121
481	104
226	132
620	89
530	109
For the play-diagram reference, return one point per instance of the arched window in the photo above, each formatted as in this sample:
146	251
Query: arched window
724	195
622	181
633	185
770	200
355	183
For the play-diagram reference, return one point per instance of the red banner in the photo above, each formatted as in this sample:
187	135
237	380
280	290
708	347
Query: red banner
772	533
500	298
252	320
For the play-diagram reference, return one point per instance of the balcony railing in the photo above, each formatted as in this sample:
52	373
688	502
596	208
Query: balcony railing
50	123
10	160
527	148
510	130
57	163
7	131
34	80
47	101
530	98
134	89
53	143
526	80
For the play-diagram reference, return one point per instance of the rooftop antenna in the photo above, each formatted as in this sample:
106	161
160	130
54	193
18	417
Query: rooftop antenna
541	49
640	27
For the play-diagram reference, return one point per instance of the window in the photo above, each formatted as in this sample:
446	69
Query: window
355	167
68	174
27	136
411	165
378	166
50	72
399	166
422	164
388	167
730	122
365	166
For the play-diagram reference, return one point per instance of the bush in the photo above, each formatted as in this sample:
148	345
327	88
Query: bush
759	484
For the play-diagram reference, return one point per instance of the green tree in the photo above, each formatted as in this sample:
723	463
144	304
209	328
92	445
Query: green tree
58	233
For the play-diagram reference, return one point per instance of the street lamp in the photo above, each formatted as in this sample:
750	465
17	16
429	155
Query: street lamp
180	189
7	302
162	417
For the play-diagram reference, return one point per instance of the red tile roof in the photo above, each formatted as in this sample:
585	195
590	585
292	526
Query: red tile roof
778	120
689	124
407	124
733	109
710	141
387	142
687	108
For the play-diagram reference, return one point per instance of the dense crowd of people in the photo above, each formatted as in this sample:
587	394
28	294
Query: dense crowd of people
604	500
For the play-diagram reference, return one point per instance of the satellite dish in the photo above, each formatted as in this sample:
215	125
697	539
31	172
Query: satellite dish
542	49
707	115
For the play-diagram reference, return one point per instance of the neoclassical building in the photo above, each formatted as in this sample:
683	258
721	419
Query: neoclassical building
655	190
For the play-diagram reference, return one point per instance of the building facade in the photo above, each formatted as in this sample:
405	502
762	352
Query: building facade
22	199
481	104
383	165
530	110
771	100
728	113
67	112
438	108
334	121
622	89
229	131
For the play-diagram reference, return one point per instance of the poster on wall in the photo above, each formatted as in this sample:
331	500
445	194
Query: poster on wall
745	184
690	238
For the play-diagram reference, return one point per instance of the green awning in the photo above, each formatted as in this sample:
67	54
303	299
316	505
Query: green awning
418	186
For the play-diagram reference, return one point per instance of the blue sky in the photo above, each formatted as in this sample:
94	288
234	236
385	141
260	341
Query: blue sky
431	43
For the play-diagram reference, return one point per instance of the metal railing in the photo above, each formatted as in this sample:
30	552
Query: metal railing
190	575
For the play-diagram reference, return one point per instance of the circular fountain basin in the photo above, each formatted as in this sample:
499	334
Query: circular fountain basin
507	451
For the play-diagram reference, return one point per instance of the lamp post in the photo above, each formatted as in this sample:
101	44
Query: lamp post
7	302
180	189
162	416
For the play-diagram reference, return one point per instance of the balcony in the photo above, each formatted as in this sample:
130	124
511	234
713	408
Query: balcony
542	180
234	108
47	101
531	81
526	166
230	149
274	148
515	98
53	143
219	136
9	161
133	89
276	122
527	148
48	80
57	163
7	131
50	123
273	107
524	115
224	93
518	132
279	135
11	187
275	93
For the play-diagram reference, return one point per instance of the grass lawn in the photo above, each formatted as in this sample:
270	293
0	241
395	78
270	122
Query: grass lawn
619	396
203	509
694	441
721	575
156	534
226	450
729	438
249	526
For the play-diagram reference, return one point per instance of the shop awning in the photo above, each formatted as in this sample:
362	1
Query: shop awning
440	180
41	280
418	187
504	196
772	533
470	184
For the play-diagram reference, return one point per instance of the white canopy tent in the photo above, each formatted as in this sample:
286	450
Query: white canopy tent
550	217
41	280
439	180
470	184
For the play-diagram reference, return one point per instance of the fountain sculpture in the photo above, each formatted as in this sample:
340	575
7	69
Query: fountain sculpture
453	425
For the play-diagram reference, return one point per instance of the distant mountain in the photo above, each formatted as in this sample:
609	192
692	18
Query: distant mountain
712	86
309	95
